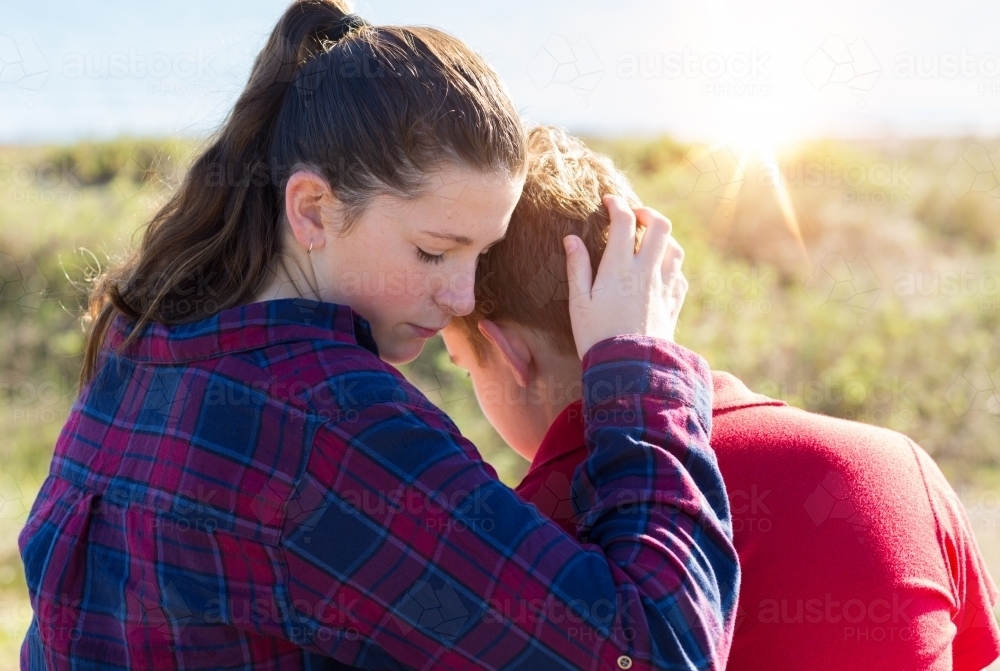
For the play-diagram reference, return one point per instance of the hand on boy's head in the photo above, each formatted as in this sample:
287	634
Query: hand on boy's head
673	256
634	293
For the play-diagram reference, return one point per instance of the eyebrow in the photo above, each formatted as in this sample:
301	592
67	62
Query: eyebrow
460	239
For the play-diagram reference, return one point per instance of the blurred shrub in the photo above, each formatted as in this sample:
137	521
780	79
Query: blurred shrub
98	163
840	303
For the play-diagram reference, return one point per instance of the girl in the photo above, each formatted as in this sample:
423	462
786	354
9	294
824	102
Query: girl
246	482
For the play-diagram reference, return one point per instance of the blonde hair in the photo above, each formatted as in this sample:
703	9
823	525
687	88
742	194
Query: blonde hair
523	278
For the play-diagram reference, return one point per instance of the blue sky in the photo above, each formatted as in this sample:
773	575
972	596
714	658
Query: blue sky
771	70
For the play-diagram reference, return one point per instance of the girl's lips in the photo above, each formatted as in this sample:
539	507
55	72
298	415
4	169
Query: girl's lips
424	333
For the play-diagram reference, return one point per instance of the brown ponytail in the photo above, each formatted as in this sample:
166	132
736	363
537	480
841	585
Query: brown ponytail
373	111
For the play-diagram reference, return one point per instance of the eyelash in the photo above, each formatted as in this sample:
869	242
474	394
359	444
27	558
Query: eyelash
429	258
438	258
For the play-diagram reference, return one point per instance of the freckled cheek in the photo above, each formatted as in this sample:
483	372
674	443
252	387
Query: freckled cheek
401	285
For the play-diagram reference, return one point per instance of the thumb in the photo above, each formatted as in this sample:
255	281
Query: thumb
578	271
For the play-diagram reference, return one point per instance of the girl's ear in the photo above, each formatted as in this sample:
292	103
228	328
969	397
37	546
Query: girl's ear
513	350
306	196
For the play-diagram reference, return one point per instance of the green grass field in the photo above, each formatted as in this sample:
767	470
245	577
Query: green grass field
873	294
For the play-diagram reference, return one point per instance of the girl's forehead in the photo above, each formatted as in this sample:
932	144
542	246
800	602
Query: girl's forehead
454	183
465	208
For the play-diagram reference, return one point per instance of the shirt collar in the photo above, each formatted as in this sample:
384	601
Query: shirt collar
566	433
243	328
729	393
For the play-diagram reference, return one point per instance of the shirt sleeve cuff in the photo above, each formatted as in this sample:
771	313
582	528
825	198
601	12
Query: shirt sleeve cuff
631	365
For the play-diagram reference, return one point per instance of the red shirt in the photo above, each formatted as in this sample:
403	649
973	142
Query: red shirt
855	551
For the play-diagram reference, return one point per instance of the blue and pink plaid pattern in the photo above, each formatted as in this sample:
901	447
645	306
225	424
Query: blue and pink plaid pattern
258	490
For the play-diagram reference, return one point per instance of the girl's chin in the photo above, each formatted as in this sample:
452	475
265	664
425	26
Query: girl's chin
401	351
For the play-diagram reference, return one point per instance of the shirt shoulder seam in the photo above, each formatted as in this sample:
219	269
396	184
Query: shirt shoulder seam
939	531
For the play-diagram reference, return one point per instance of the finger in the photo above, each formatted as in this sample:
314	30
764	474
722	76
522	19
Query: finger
647	215
656	237
678	292
679	288
621	233
578	272
673	258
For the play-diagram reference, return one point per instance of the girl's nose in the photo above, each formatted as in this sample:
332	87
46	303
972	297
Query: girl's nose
458	295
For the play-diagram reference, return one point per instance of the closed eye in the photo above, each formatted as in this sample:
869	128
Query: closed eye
429	258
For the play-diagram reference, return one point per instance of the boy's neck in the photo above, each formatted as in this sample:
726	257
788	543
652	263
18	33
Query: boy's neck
557	385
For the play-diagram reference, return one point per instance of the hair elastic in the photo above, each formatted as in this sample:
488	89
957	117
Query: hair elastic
346	24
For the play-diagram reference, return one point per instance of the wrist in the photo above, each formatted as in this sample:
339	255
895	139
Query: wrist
626	365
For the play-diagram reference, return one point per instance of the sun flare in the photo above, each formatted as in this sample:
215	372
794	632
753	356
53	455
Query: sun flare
759	134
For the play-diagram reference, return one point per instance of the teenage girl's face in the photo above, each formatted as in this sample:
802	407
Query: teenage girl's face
409	265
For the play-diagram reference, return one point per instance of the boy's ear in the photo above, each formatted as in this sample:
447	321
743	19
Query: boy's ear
512	348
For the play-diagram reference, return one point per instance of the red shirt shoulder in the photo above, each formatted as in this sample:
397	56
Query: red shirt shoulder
855	551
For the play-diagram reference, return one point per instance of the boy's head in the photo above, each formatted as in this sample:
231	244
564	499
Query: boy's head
518	342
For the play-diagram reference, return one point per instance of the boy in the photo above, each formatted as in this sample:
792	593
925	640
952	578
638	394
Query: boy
855	551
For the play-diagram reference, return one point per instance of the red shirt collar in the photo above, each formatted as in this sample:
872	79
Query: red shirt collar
729	393
564	435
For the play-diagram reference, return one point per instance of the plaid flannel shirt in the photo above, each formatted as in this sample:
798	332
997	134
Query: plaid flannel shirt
258	490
